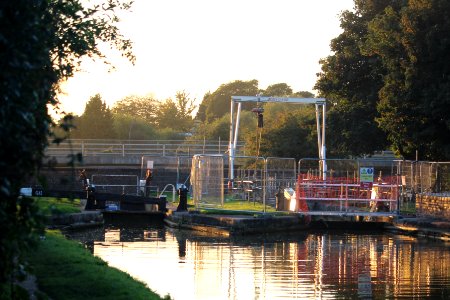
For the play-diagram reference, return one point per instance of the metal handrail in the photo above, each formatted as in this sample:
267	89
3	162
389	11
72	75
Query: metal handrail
139	148
173	191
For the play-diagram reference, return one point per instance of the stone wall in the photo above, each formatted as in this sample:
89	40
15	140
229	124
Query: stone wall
433	205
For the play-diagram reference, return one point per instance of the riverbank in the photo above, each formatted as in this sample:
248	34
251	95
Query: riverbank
64	269
434	228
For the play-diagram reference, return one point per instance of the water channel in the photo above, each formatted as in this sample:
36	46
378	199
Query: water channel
301	265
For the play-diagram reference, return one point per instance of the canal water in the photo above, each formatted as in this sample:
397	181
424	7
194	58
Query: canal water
302	265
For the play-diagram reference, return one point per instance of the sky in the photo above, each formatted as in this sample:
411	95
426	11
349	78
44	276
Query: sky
197	45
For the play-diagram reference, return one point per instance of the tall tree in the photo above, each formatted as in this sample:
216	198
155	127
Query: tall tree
414	46
41	43
289	134
96	122
144	108
177	114
278	89
351	80
185	108
201	112
218	103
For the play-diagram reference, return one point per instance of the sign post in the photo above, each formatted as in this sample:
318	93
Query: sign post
366	177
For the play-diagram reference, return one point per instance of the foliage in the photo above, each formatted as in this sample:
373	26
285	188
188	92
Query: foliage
290	134
201	112
414	46
96	122
26	84
177	114
303	94
143	108
168	134
65	270
41	43
79	29
278	89
127	127
285	123
218	103
388	79
350	81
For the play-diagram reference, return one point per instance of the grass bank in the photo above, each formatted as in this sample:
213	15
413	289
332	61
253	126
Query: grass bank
50	206
66	270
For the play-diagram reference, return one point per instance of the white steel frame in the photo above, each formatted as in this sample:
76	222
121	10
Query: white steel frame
234	124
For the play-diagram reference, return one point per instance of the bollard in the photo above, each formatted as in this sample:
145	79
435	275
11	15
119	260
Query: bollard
182	197
162	203
90	198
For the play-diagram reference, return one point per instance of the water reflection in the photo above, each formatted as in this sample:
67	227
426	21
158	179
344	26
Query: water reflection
312	265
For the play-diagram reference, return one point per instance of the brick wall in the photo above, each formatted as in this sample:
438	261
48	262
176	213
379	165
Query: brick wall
433	205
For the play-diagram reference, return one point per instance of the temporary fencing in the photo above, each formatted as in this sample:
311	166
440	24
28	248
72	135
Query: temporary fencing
345	195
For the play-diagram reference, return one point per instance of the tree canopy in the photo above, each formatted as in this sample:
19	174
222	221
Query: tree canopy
144	108
41	44
388	79
217	104
414	46
177	114
96	121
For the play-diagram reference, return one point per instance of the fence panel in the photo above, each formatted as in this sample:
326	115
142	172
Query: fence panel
207	180
281	173
248	180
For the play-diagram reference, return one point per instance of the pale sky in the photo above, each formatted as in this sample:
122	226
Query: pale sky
197	45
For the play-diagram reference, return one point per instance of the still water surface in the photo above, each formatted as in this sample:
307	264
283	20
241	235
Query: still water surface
306	265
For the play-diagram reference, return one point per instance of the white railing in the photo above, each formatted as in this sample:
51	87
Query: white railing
138	148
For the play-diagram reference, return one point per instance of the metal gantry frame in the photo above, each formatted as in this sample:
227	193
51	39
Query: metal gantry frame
234	124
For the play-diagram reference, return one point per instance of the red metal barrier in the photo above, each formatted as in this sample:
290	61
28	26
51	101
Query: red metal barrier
346	194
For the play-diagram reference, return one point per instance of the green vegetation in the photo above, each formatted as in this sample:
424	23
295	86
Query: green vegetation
49	206
240	207
388	80
66	270
42	44
134	118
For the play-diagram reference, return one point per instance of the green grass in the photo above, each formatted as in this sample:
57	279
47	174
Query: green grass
247	205
66	270
50	206
239	208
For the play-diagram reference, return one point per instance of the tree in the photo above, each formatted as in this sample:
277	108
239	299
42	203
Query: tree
41	43
351	80
96	122
135	117
388	80
177	114
185	107
414	48
278	89
218	103
144	108
201	113
288	134
127	127
303	94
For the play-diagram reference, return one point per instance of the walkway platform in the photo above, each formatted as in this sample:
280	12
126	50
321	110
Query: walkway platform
265	223
235	224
